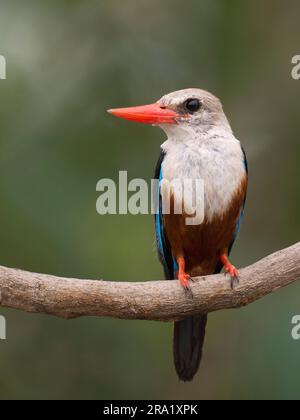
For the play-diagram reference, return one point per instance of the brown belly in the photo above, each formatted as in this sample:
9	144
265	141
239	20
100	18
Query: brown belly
201	245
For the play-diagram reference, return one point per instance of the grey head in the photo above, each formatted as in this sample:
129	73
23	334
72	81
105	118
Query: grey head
196	109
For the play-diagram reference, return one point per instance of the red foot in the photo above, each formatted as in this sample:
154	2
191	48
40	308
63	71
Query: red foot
230	269
183	277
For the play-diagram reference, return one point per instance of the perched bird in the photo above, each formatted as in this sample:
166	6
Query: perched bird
200	145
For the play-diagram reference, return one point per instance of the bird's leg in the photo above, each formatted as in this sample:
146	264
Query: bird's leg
229	269
183	277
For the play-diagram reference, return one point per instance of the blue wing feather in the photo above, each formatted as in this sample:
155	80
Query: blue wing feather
163	245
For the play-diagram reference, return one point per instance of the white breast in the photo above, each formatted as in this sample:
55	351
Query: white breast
216	158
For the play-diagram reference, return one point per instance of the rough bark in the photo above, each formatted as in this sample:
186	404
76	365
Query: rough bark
154	300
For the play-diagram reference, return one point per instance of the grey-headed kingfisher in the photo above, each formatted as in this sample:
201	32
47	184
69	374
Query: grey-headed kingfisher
200	145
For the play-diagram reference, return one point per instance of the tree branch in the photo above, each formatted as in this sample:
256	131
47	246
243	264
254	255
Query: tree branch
154	300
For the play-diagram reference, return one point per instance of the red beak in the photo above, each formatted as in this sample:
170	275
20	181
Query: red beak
146	114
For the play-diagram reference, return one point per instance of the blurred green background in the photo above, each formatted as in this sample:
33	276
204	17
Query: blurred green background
67	62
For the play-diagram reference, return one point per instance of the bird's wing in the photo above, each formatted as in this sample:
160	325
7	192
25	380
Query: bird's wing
239	222
162	242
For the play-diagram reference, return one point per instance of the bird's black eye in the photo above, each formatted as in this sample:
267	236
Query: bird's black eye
192	105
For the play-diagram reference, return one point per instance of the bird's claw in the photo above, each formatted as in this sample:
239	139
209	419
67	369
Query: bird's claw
234	281
234	275
184	280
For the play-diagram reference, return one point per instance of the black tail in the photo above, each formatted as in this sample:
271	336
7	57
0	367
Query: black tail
189	337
